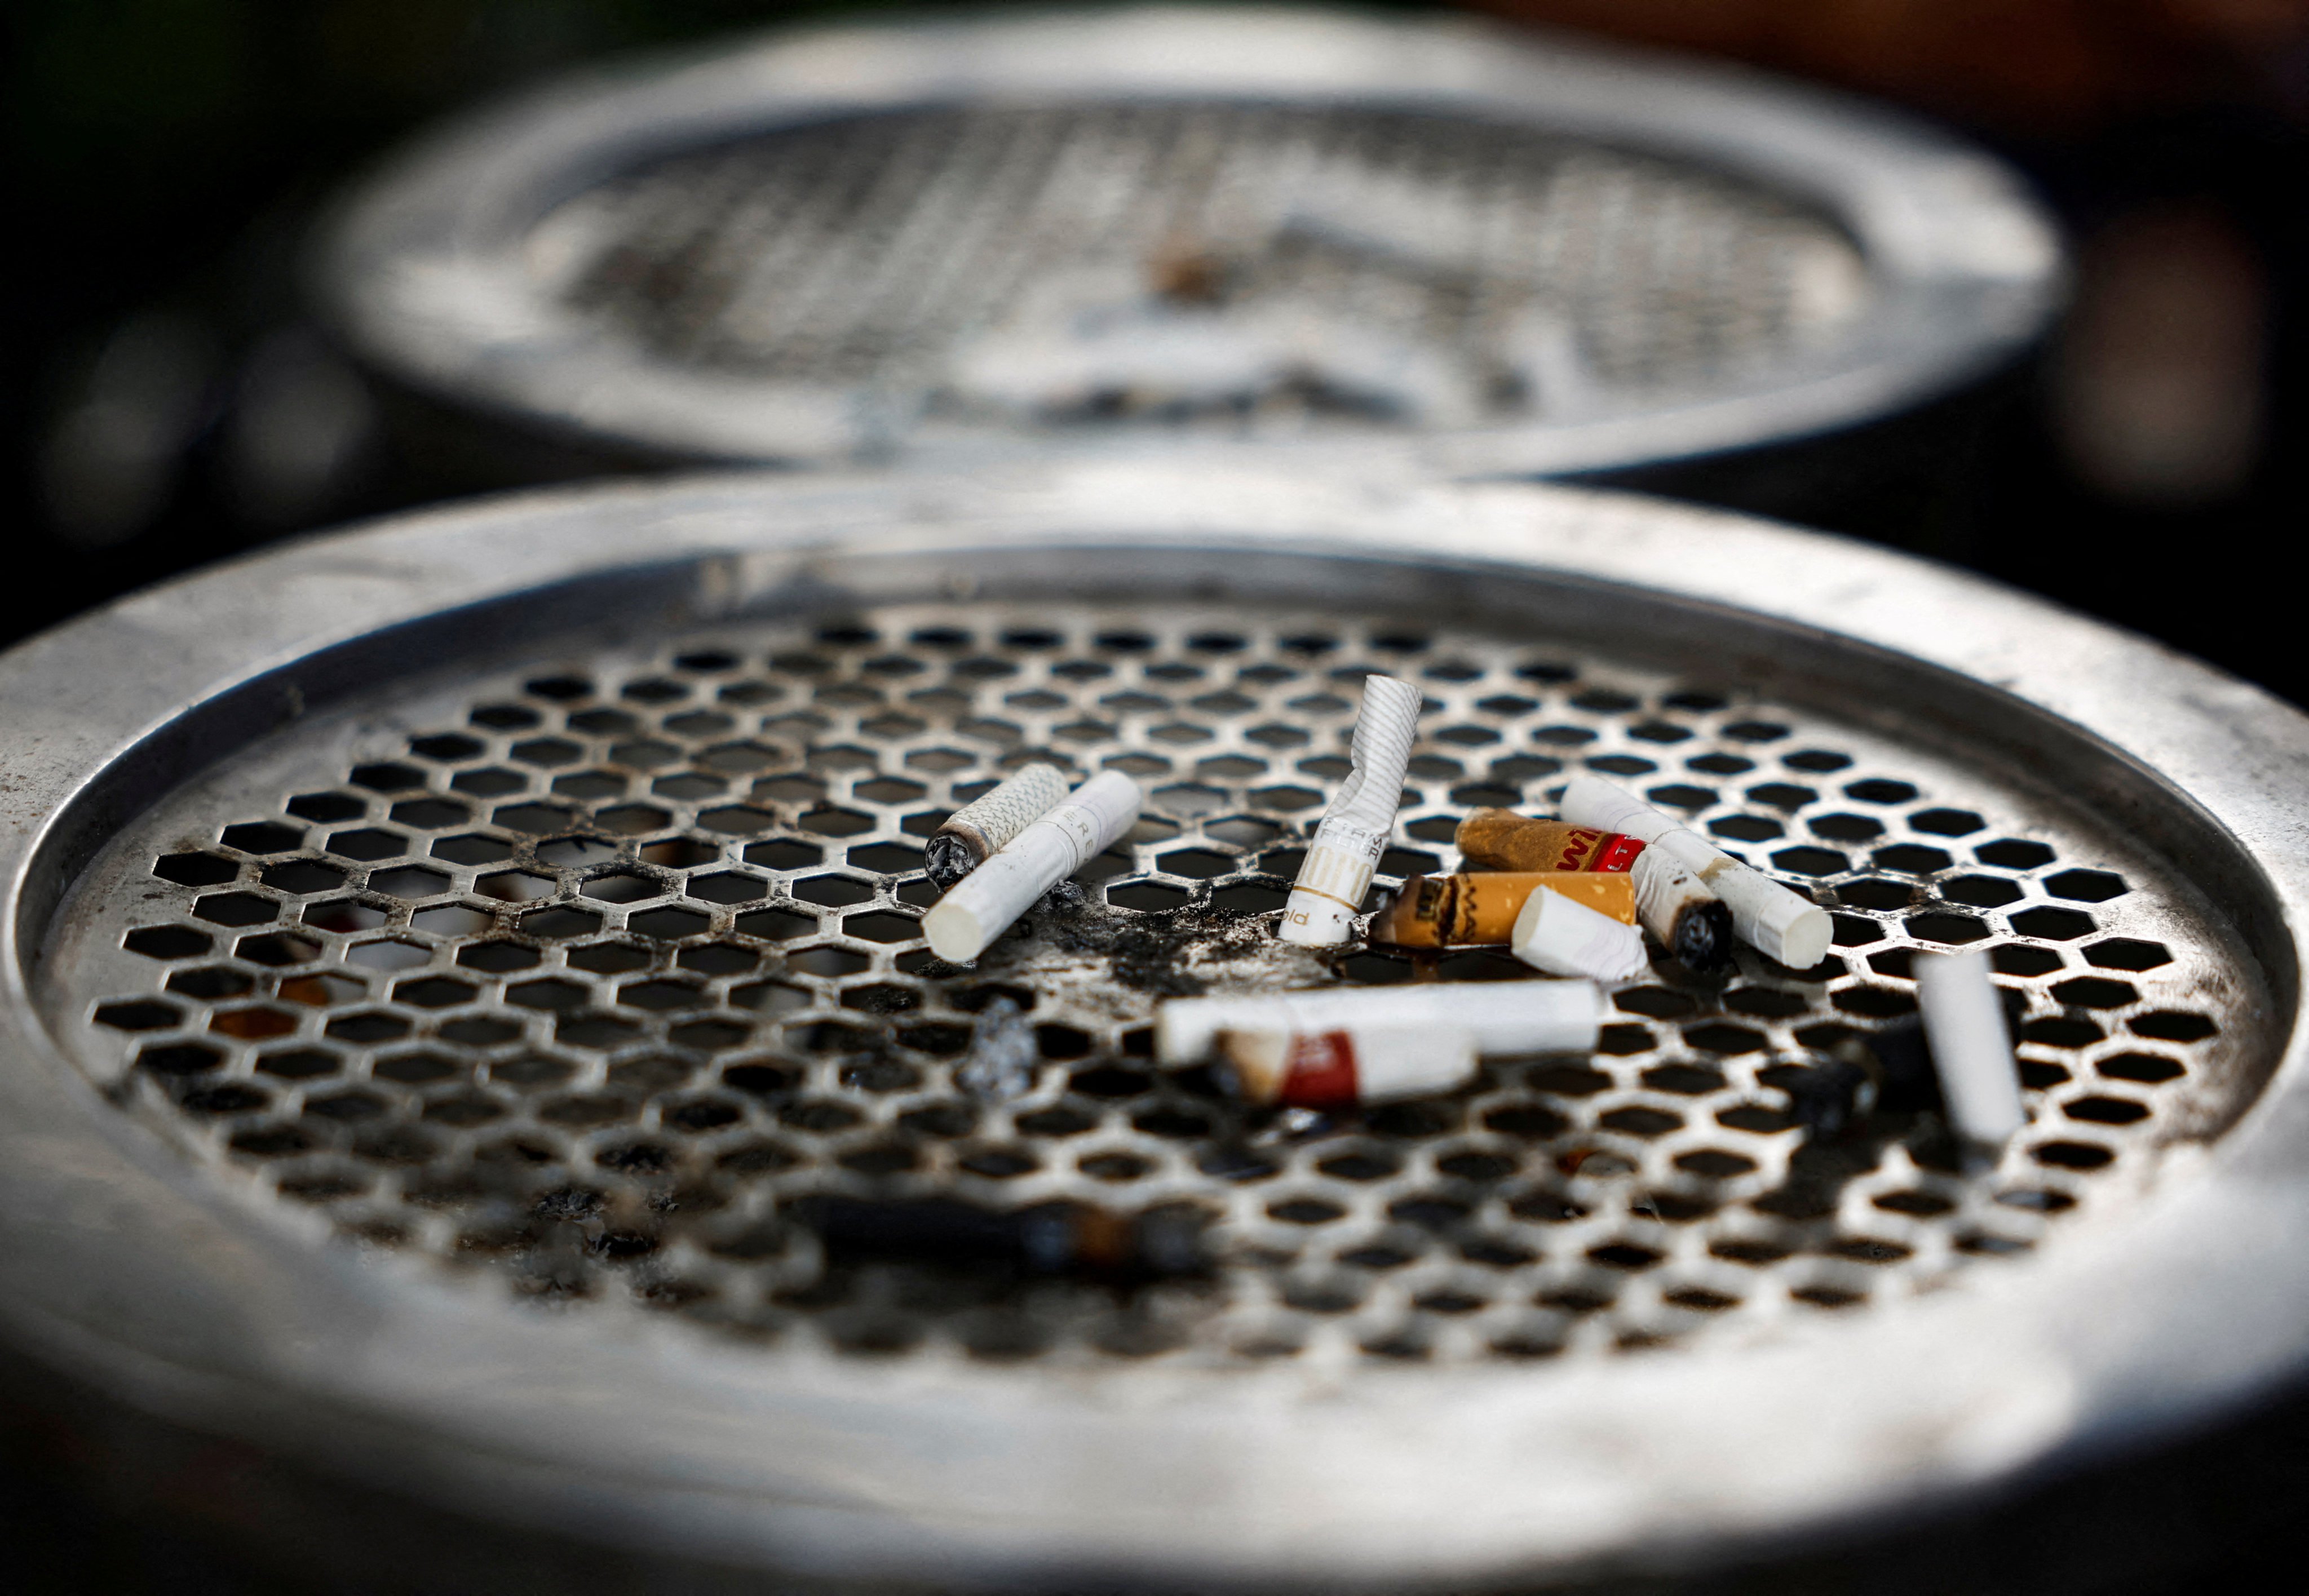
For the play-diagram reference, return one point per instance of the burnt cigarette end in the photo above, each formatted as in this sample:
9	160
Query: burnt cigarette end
946	859
1050	1239
1831	1097
1702	938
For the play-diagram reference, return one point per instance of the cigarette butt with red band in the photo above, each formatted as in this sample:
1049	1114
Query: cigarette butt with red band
1326	1069
1502	840
1479	908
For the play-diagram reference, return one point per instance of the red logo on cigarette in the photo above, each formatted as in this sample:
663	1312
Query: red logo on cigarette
1321	1073
1618	855
1576	846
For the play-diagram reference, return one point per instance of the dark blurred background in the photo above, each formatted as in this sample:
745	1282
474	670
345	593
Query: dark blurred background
168	404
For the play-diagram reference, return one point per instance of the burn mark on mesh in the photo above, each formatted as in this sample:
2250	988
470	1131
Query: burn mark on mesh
692	1052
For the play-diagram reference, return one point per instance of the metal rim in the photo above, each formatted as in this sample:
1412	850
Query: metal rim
424	269
142	1277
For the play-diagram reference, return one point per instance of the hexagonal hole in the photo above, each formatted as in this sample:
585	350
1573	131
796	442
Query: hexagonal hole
2053	925
833	892
195	869
536	820
472	849
167	942
2011	959
1947	929
516	886
326	808
429	813
408	881
2095	992
661	997
1807	860
236	908
2086	886
2172	1026
2147	1068
368	844
1147	895
559	923
137	1015
1980	891
437	991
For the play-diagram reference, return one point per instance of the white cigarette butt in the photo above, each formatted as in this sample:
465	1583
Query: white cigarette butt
978	831
989	901
1501	1016
1338	871
1964	1026
1562	936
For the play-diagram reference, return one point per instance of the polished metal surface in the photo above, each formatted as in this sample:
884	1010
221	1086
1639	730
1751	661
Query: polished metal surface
1117	231
447	959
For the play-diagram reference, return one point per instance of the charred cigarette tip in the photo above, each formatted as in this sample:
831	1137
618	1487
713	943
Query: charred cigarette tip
981	828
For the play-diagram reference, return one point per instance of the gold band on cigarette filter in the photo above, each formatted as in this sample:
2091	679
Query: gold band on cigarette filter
1466	911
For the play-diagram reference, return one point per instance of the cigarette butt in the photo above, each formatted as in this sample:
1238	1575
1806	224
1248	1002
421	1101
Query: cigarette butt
1564	936
1502	840
1329	891
1780	924
989	901
1674	905
1050	1239
978	829
1509	1017
1964	1024
1366	1064
1480	908
1672	902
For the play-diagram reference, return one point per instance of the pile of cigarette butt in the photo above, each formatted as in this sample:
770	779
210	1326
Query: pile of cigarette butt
1574	897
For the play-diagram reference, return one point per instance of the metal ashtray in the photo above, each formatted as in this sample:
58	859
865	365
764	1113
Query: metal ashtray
447	961
1444	243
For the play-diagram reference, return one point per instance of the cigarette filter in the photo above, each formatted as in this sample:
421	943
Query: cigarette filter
1329	891
980	828
1503	840
1964	1024
1501	1016
1564	936
1671	901
1365	1064
1481	906
989	901
1780	923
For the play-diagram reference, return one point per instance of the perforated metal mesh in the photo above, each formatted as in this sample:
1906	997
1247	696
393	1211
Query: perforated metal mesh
1392	266
583	978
